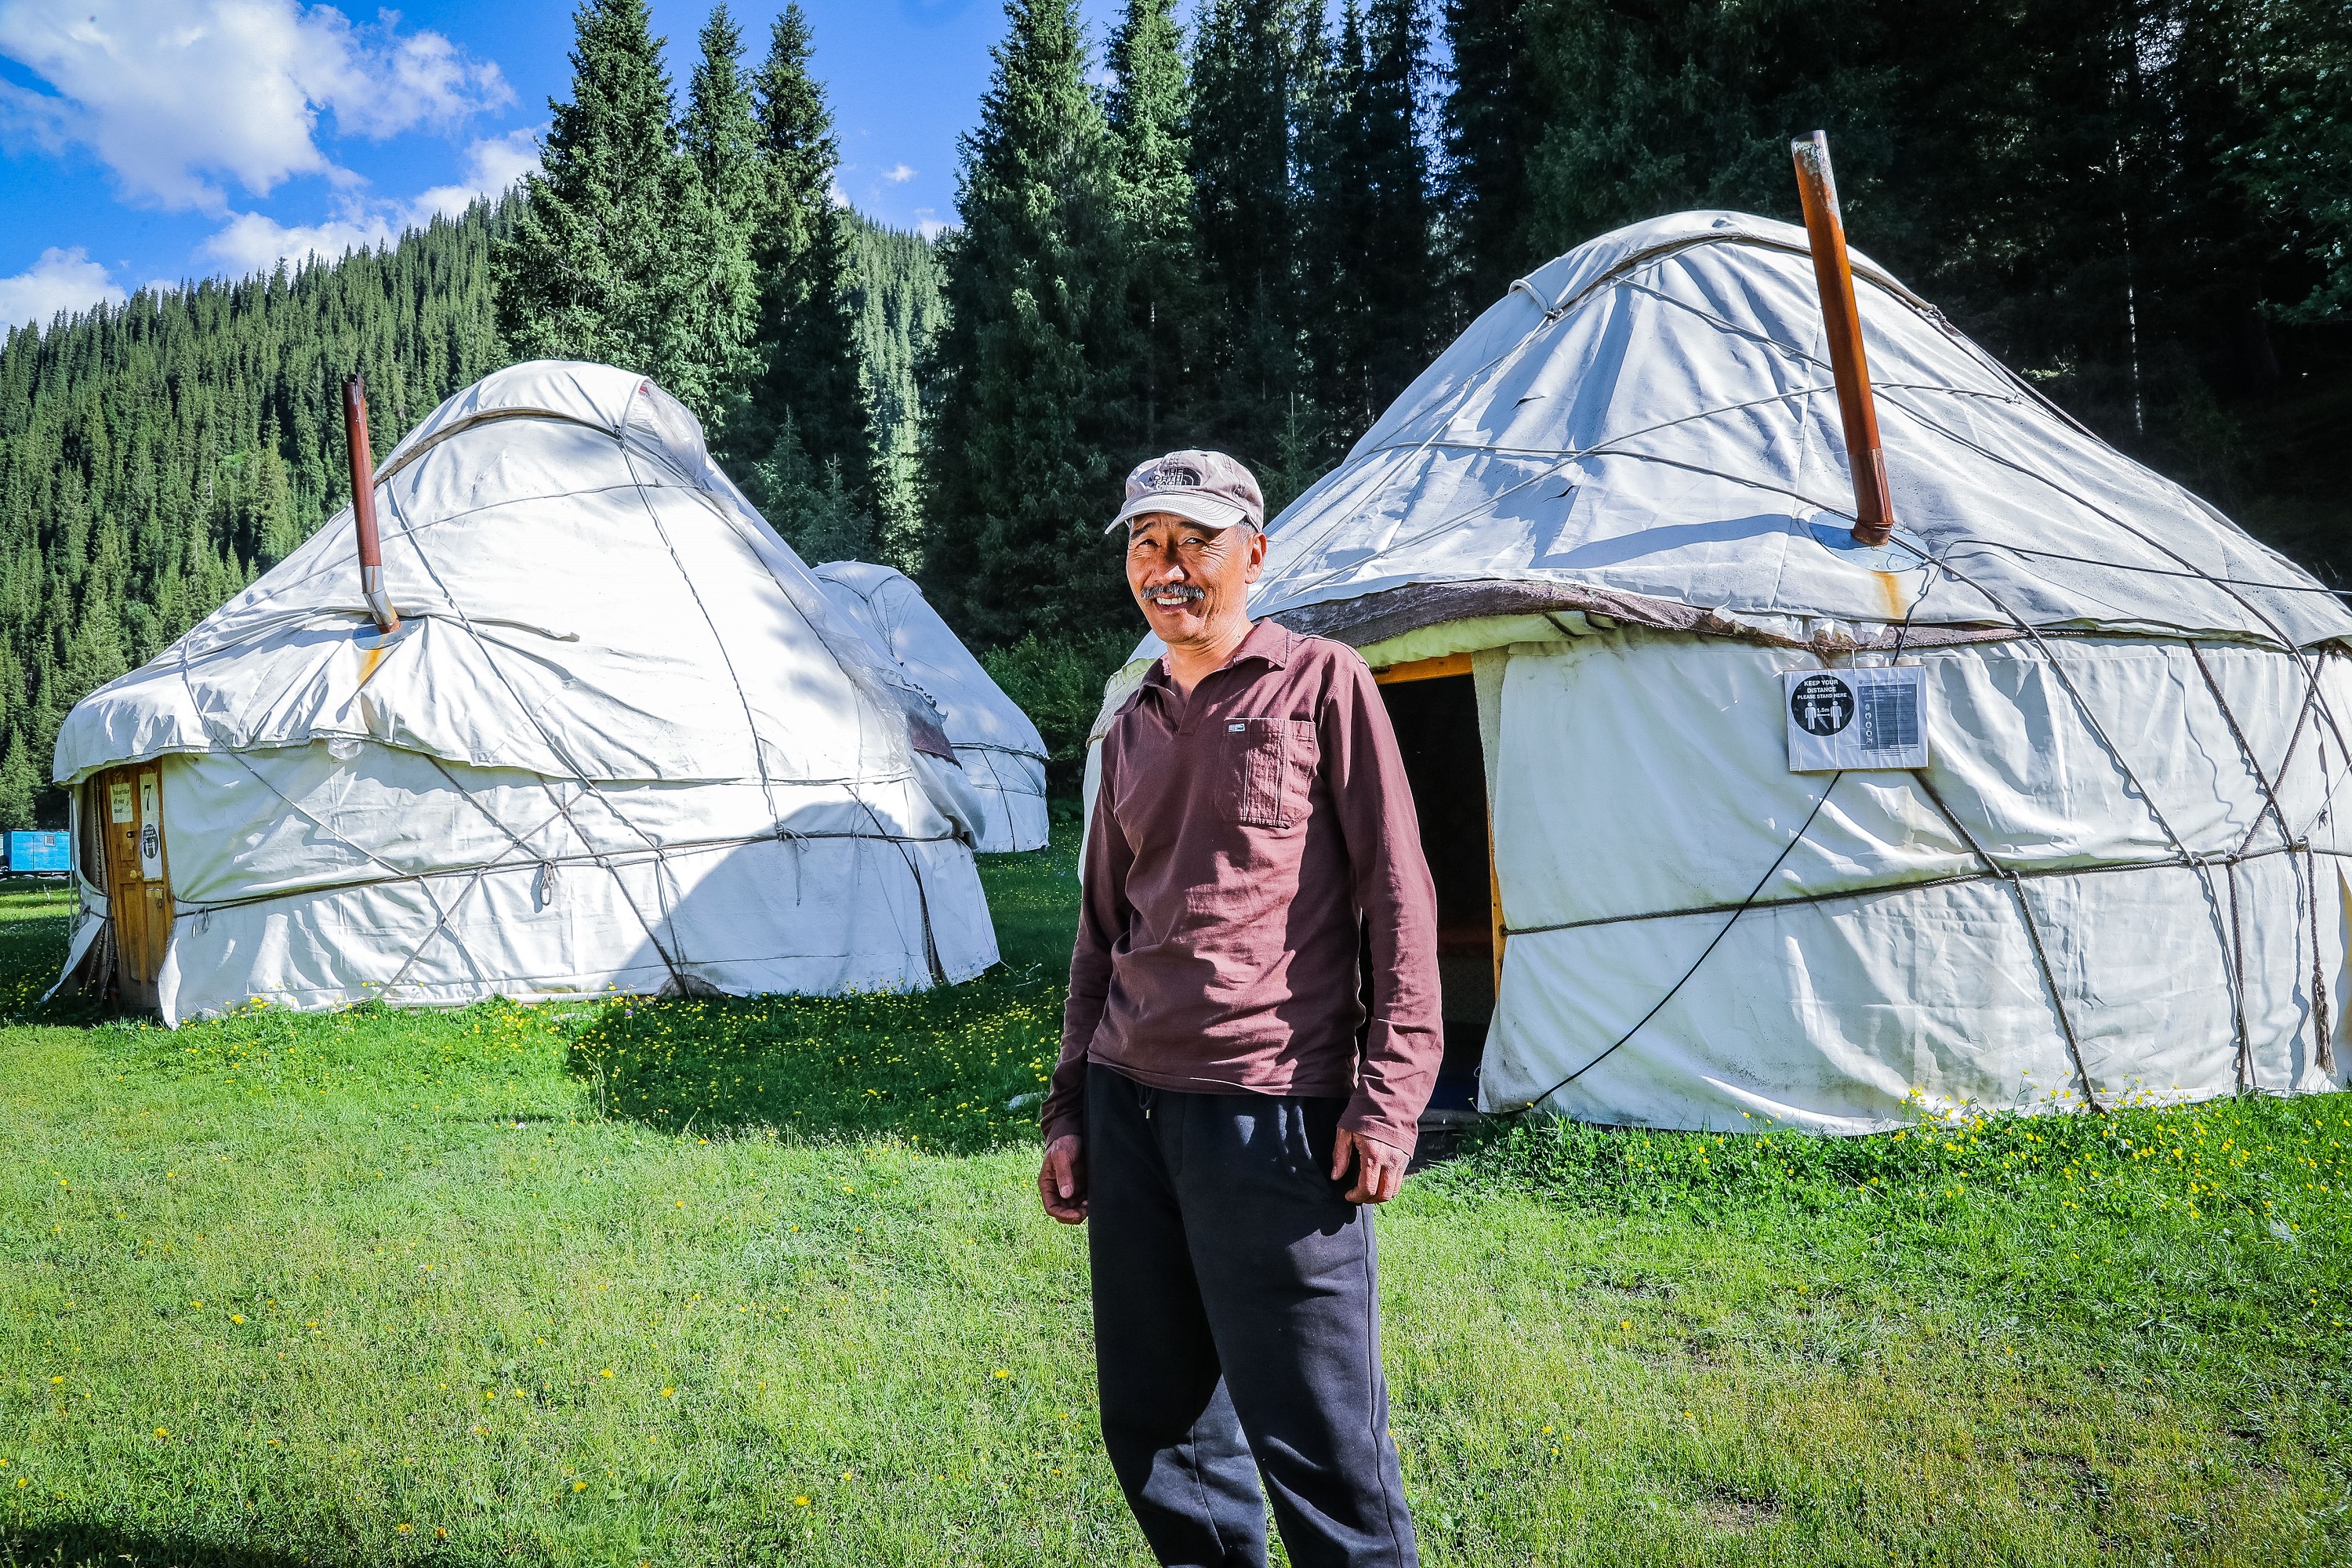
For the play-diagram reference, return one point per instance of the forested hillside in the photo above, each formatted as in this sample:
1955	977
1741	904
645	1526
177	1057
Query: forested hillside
1235	223
156	455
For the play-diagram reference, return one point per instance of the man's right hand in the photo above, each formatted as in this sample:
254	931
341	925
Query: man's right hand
1062	1180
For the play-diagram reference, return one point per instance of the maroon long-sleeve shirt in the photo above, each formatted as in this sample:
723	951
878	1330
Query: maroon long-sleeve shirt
1244	840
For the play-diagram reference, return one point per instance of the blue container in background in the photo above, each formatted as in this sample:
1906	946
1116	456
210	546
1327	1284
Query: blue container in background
29	852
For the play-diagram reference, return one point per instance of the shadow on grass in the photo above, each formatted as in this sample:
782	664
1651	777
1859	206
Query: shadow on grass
955	1070
91	1546
952	1070
35	925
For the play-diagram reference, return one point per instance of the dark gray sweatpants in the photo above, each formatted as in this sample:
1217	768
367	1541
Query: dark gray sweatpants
1238	1329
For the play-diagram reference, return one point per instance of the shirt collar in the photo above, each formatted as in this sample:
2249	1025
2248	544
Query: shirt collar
1269	642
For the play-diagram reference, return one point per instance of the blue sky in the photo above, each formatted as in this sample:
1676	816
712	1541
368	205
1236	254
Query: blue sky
149	141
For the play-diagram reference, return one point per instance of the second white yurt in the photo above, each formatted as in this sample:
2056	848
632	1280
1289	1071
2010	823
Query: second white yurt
1002	754
620	738
1738	822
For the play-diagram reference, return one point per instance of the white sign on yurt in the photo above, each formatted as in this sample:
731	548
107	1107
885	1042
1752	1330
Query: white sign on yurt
1856	718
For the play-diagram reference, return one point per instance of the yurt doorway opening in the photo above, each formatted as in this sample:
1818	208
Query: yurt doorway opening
1433	706
123	846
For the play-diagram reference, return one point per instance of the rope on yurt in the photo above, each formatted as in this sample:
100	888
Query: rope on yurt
441	923
2310	672
1921	884
556	749
1559	457
604	860
2324	1057
2161	571
2277	632
2008	875
2237	919
914	867
2234	940
2232	948
752	727
744	698
1551	317
1738	909
549	864
2246	1080
440	914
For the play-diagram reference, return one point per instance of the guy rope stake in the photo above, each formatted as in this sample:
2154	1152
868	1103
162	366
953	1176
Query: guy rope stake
378	603
1874	511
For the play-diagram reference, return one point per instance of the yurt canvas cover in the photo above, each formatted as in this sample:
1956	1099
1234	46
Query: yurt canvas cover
1003	755
1586	551
621	740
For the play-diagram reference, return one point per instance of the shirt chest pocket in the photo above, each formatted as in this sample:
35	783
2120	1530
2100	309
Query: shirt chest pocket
1274	762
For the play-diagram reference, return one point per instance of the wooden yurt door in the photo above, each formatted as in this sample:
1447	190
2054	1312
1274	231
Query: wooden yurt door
126	804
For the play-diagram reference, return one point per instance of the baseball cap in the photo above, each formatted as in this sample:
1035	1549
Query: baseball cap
1209	487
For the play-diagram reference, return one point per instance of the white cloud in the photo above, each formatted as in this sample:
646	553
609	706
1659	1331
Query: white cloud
898	175
174	95
498	162
931	227
254	242
60	280
493	165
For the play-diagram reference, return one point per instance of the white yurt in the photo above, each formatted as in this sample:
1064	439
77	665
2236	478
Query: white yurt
1738	823
621	739
1003	756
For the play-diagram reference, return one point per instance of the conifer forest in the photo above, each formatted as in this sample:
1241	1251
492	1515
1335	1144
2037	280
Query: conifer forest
1242	224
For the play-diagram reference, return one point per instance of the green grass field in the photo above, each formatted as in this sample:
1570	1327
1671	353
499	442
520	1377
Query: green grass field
765	1281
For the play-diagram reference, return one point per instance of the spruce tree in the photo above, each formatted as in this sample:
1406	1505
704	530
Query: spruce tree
1396	261
578	279
806	435
1335	206
1254	90
1148	109
1374	283
721	134
1018	478
1490	122
720	141
895	291
620	254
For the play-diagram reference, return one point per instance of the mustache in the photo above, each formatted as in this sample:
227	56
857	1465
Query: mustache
1176	590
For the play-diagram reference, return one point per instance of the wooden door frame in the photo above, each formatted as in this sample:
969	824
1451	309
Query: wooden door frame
1438	668
122	884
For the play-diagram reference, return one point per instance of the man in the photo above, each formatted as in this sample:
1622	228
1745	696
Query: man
1224	1104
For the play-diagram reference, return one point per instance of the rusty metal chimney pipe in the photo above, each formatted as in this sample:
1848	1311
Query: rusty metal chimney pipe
1873	509
378	603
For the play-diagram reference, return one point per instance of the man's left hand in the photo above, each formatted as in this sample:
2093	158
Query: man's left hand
1380	1170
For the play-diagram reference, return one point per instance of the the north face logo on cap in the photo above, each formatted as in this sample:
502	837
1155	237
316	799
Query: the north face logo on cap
1209	487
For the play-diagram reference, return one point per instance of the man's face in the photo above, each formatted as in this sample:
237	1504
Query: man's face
1192	580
